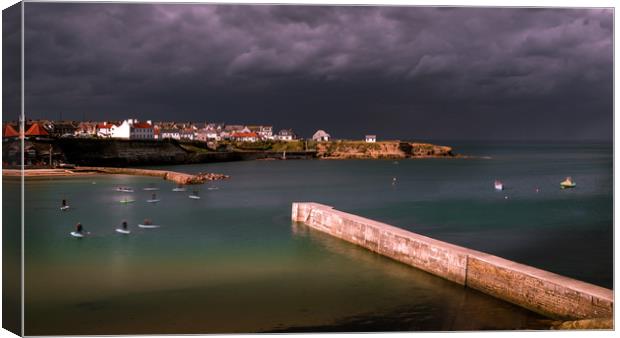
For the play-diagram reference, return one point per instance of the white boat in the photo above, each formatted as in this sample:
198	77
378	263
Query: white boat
64	208
179	189
127	201
153	201
499	185
76	234
123	231
148	226
196	197
119	189
150	189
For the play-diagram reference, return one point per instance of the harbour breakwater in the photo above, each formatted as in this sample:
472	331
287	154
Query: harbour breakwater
177	177
381	150
549	294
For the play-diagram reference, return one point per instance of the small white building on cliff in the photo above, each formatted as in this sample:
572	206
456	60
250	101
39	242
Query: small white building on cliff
321	136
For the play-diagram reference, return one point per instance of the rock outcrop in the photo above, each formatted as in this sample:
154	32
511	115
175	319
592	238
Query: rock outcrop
380	150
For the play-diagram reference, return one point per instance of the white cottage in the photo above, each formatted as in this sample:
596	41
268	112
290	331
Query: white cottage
321	136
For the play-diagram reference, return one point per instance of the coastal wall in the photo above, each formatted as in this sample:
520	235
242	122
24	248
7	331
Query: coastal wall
538	290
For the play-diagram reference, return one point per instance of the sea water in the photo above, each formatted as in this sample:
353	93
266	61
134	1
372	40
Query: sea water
233	261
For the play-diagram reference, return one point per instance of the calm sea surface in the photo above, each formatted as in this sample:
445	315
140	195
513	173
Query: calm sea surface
233	261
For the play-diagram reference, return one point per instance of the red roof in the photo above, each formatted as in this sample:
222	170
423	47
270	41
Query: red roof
9	131
142	125
243	135
104	126
36	130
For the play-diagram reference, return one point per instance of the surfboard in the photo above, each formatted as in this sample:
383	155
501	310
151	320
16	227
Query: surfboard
64	208
153	201
148	226
194	197
123	231
76	234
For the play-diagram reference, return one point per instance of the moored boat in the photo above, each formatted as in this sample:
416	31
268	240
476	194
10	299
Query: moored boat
568	183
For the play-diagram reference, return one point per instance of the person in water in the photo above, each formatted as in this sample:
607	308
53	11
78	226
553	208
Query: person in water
64	202
147	221
153	197
79	228
124	225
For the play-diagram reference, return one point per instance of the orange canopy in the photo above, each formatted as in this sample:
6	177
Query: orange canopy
36	130
9	131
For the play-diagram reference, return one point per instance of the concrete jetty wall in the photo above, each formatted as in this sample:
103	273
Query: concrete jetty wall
538	290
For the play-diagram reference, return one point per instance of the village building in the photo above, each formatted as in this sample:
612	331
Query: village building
207	134
86	129
286	135
122	130
62	129
170	133
187	134
141	131
264	132
371	138
104	129
245	136
321	136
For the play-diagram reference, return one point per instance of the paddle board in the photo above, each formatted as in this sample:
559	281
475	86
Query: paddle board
213	188
152	201
123	231
179	189
127	201
150	189
76	234
64	208
148	226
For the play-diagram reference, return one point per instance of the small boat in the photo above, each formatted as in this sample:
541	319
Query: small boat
76	234
122	189
568	183
148	226
150	189
498	185
196	197
179	189
123	231
213	188
127	201
64	208
153	201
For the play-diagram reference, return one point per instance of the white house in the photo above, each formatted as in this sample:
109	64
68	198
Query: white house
285	135
170	133
264	132
321	136
121	131
104	129
371	138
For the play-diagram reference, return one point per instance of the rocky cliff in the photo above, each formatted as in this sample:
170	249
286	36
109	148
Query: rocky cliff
380	150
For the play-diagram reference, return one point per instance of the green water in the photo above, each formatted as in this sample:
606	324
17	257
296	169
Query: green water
233	261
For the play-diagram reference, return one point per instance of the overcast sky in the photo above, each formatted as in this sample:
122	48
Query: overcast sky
398	72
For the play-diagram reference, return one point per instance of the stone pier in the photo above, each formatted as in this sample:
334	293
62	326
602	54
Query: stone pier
541	291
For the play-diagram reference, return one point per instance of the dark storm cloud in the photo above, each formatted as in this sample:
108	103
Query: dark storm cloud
401	72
